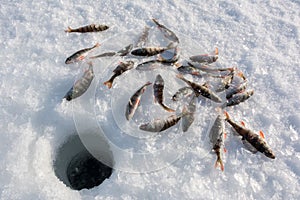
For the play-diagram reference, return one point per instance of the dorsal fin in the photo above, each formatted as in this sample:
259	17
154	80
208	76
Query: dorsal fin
261	134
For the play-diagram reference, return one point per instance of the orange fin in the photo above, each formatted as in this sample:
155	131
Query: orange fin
261	134
108	84
243	124
81	57
225	150
216	51
226	115
225	136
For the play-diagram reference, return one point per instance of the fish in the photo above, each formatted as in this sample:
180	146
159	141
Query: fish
134	101
160	125
120	69
106	54
158	88
88	28
201	90
150	51
166	32
122	52
170	59
184	91
187	69
238	98
206	58
80	55
226	81
217	135
235	90
125	50
143	37
255	140
81	85
208	69
188	114
150	65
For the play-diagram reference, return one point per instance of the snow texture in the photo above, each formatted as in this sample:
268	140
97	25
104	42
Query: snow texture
261	38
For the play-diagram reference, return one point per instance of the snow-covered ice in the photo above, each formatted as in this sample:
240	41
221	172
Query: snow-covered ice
259	37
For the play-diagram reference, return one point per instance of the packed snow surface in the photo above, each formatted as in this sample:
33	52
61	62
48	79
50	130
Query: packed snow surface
261	38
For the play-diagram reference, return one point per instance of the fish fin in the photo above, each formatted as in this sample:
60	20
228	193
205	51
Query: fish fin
219	161
225	136
241	75
177	64
227	117
81	57
261	134
206	84
138	102
216	51
243	124
69	30
148	83
160	58
96	45
225	150
196	73
108	84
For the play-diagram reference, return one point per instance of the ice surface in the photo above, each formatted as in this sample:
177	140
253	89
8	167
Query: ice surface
261	38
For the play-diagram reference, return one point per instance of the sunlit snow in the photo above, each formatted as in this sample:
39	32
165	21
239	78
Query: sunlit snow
260	38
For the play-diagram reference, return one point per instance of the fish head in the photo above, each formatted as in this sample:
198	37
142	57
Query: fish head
130	63
269	153
159	79
69	61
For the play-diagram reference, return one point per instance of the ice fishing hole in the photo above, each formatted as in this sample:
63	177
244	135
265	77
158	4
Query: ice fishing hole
77	168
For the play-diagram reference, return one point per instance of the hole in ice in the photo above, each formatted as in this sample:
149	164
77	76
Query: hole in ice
77	168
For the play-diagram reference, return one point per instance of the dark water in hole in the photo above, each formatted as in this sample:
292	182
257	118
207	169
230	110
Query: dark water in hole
85	171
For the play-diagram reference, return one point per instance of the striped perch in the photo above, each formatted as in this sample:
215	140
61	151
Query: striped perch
134	101
88	28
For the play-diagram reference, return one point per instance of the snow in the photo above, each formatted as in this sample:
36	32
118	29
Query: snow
260	38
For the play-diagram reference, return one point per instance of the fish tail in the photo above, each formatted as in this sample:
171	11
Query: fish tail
96	45
108	83
167	108
219	162
69	30
148	83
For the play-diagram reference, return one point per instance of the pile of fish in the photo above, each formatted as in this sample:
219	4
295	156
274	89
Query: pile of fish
229	81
